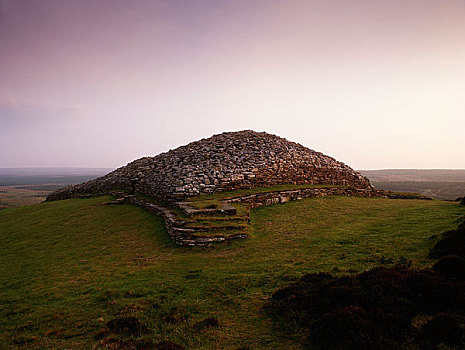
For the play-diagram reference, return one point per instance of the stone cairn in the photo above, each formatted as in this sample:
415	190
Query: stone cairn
222	163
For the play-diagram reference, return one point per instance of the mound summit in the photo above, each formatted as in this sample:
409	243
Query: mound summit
223	162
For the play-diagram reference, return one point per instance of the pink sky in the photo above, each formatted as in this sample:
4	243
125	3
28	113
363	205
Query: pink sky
375	84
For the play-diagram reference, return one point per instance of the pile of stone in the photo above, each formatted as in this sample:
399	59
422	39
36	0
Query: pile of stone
224	162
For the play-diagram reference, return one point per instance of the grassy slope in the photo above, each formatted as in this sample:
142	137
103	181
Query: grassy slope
65	266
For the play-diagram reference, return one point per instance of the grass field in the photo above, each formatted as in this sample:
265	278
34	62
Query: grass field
68	267
16	196
435	183
433	189
25	186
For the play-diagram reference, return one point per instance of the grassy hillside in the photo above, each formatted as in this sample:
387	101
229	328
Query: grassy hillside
69	267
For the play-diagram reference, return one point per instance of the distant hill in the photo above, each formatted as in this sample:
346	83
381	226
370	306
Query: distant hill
443	175
24	186
437	183
39	176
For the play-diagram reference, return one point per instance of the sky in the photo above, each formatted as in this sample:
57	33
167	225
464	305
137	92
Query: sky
98	83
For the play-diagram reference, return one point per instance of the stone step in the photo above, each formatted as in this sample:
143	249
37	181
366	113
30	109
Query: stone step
219	218
198	228
188	209
223	233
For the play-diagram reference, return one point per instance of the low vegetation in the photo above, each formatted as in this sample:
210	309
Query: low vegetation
15	196
434	189
20	187
452	243
383	308
435	183
78	274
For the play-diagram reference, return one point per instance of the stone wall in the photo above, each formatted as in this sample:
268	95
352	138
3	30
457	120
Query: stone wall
175	226
191	237
223	162
185	236
269	198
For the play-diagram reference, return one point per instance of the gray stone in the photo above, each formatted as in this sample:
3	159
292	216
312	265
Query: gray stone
234	160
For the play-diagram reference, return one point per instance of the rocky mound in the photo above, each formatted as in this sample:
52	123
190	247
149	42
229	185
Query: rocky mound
224	162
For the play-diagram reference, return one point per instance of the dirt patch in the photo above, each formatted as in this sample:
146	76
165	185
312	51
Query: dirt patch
206	323
226	253
167	345
125	325
175	316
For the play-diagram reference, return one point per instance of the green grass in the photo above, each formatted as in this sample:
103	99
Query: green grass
214	223
67	267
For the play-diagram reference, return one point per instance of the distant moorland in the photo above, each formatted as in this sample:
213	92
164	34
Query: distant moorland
435	183
24	186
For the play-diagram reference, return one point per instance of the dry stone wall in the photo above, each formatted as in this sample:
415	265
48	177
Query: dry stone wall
270	198
175	226
224	162
183	235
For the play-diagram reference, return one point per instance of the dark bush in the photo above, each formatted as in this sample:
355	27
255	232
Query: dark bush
451	266
167	345
462	226
341	293
444	328
452	243
346	328
175	316
316	279
292	303
373	310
